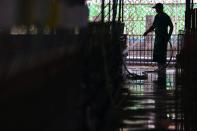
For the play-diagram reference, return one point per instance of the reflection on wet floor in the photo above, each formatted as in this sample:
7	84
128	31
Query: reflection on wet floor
152	106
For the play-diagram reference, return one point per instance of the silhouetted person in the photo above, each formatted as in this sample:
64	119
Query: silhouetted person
160	25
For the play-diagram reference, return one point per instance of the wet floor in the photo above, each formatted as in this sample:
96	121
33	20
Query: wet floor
152	105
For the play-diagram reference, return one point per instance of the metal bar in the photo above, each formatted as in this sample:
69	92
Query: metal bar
137	56
178	44
195	19
152	48
130	46
114	7
145	48
140	52
109	11
122	10
145	51
187	15
133	50
103	11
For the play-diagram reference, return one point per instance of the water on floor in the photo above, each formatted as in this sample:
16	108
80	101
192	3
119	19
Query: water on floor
152	105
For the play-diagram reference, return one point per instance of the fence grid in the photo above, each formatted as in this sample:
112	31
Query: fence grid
140	49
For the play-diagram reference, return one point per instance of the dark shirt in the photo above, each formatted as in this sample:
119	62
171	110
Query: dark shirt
161	23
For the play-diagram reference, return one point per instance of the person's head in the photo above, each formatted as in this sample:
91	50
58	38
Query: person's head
158	7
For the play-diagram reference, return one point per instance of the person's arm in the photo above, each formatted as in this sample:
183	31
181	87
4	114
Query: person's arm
149	30
152	27
171	29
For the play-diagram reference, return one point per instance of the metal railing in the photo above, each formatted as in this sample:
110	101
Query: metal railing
140	49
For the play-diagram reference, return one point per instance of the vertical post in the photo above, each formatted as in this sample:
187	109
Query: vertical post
102	11
122	10
195	19
109	11
187	15
114	10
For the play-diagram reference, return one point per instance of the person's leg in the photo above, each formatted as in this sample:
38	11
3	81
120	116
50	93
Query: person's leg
160	67
161	75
